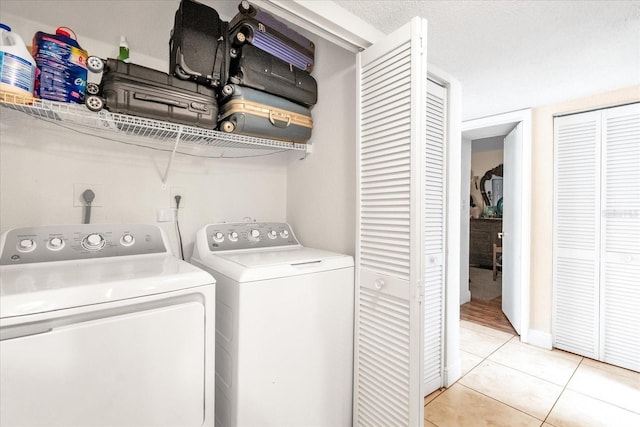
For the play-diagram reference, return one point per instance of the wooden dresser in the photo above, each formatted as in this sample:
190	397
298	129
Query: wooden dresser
483	234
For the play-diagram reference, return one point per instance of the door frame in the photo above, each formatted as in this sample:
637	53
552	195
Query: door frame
500	125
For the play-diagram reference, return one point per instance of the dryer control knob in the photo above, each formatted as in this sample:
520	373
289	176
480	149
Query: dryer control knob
254	234
284	234
233	236
218	237
272	234
93	242
56	243
26	245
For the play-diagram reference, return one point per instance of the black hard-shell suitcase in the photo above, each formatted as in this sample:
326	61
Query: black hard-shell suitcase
252	112
254	26
260	70
199	45
141	91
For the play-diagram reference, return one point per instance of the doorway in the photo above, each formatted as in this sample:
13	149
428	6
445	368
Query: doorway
515	129
485	235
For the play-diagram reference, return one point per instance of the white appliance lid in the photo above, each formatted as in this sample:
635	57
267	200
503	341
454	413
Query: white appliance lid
42	287
261	264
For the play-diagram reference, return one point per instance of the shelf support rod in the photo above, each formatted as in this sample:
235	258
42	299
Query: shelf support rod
173	153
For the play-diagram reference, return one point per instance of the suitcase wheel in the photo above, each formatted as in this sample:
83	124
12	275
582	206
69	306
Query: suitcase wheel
94	103
93	88
227	126
95	64
227	90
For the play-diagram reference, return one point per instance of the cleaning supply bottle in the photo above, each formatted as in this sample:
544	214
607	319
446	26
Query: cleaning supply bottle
123	54
61	73
17	66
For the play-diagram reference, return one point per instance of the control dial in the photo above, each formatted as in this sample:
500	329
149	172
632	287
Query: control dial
233	236
284	234
127	240
272	234
56	243
254	234
26	245
218	237
93	242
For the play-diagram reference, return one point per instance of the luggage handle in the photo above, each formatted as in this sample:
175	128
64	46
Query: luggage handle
283	121
145	97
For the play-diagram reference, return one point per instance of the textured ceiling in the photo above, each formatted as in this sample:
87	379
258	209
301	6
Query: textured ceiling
510	55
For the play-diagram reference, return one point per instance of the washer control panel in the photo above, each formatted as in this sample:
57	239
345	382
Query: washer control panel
71	242
246	235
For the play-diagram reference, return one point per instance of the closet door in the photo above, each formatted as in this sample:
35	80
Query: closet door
434	238
576	233
597	235
391	127
620	251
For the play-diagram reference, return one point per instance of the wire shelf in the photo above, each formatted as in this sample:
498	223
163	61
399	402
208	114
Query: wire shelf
118	125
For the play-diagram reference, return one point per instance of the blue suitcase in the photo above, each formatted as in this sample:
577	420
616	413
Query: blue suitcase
254	26
247	111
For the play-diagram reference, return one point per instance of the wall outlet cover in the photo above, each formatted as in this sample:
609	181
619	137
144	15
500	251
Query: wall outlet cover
177	191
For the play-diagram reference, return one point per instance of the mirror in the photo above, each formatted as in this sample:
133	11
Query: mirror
491	186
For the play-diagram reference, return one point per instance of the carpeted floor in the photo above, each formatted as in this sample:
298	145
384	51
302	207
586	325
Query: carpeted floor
482	286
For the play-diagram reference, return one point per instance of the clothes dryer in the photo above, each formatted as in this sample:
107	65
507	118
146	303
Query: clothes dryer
284	327
100	325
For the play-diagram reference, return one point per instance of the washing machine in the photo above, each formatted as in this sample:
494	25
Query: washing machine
284	327
100	325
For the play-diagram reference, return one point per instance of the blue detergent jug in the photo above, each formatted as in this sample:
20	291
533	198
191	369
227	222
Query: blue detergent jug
17	67
61	73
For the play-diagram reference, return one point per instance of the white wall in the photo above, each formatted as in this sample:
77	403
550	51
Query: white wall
322	188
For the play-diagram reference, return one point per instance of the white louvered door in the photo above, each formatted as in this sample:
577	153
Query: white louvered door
391	126
597	235
576	233
620	250
434	229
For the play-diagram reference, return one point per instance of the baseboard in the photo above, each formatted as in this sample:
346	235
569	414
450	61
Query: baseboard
452	373
540	339
465	296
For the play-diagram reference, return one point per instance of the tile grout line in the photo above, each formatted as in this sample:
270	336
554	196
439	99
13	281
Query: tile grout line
596	398
530	374
499	401
562	392
502	403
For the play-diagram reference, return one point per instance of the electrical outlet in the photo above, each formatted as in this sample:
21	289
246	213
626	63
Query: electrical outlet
98	190
177	191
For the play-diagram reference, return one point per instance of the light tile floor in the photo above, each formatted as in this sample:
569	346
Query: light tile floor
507	383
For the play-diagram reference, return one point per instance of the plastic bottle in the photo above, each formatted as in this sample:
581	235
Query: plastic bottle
123	55
61	73
17	66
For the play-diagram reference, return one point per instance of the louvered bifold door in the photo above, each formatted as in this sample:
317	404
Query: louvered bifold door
576	233
391	84
620	275
434	229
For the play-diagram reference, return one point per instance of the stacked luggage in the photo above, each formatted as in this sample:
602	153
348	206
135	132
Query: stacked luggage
250	76
270	87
